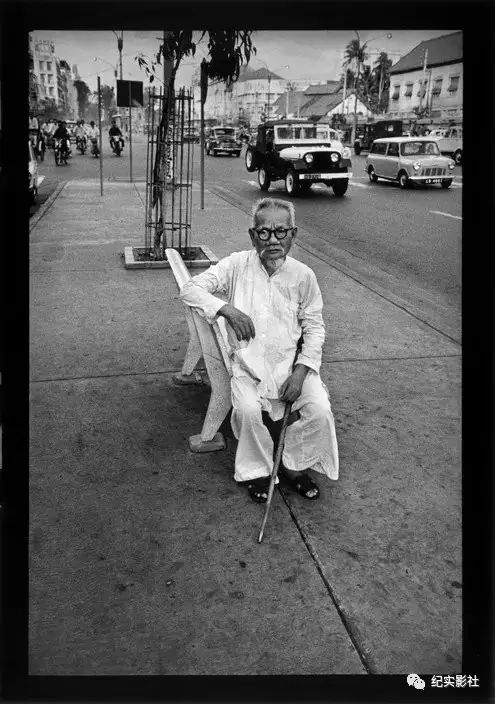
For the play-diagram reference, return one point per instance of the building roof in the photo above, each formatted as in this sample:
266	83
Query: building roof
297	99
249	74
441	50
323	89
322	104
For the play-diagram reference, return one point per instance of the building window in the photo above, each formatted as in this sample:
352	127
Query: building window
454	84
409	89
48	65
437	87
50	78
50	90
395	94
42	76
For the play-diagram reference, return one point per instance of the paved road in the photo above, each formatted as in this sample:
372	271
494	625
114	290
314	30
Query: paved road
406	243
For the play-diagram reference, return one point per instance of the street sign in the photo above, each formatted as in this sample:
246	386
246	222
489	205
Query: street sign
130	94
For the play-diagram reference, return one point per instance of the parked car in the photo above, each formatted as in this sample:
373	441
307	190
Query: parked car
409	160
300	153
367	133
222	140
33	174
192	135
450	142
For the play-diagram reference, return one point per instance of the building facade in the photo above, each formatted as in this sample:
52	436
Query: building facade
429	80
45	69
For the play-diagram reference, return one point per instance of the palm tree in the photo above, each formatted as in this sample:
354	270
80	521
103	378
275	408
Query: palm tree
356	52
382	74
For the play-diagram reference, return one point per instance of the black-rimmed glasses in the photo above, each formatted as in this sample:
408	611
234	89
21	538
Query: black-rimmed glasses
264	233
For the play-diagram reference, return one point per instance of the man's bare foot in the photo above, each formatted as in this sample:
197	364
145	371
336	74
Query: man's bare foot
302	483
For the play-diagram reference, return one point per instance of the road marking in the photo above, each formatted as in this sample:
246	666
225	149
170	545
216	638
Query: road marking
251	183
447	215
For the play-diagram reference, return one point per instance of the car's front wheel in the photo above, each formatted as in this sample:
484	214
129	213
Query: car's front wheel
371	175
446	182
291	183
249	160
264	179
404	181
340	187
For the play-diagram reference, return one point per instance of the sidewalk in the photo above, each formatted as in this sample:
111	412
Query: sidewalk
144	557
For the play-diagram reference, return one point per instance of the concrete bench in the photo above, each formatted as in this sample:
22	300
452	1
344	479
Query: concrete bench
207	341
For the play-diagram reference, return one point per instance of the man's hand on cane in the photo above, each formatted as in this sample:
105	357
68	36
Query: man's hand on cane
292	386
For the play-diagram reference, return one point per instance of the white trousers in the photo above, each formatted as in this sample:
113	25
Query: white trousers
310	441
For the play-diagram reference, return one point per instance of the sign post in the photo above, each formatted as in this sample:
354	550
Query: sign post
204	91
99	128
130	135
130	93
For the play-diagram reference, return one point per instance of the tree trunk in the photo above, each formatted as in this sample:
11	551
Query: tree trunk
160	165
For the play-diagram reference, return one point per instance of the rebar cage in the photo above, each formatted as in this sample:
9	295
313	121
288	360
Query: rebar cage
169	172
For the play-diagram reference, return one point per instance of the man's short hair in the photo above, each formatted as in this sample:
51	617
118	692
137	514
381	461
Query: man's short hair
269	204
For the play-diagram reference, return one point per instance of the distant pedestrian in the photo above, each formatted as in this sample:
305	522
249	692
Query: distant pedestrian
272	300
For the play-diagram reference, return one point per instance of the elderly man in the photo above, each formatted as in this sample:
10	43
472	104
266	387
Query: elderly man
272	299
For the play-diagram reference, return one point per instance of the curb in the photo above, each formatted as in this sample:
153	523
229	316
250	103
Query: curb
46	205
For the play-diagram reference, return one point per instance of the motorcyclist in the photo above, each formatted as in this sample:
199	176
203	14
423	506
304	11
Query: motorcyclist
80	132
114	132
62	133
93	133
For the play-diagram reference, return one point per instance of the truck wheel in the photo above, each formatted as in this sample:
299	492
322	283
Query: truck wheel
249	160
340	187
446	182
291	183
404	180
357	149
264	179
458	157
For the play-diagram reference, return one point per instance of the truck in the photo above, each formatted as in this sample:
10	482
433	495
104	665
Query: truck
367	133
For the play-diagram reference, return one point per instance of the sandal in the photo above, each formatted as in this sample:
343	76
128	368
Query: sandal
303	484
258	489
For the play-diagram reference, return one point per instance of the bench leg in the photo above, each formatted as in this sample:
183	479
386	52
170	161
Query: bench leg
193	355
220	403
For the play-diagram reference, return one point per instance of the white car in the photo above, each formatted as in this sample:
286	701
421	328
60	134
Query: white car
449	142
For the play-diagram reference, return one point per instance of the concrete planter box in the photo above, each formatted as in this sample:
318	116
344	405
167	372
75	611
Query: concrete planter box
204	258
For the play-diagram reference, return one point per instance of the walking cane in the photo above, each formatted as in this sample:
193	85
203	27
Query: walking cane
278	454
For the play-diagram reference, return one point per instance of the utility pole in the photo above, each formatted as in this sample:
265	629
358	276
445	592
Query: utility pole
423	87
345	88
268	103
358	61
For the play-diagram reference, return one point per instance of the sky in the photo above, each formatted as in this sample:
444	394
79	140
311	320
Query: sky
315	55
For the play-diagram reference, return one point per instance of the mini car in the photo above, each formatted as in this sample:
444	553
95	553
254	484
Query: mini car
409	160
223	140
33	174
299	152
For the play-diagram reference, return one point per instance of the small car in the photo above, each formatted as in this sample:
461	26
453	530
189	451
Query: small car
33	174
409	160
191	135
299	152
223	140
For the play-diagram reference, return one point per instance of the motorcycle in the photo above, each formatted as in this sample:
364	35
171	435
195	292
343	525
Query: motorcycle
94	147
61	151
81	144
117	144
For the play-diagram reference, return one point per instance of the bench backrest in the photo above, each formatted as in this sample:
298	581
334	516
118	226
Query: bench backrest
212	337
